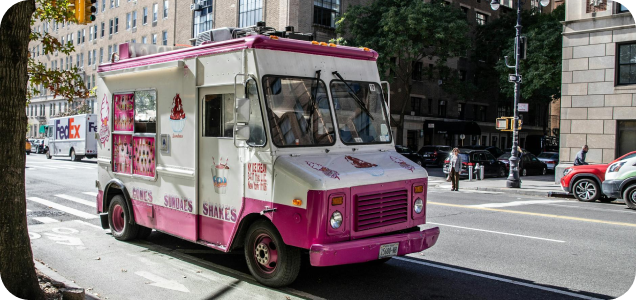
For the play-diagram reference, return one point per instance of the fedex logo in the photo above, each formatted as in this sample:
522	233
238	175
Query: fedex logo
68	130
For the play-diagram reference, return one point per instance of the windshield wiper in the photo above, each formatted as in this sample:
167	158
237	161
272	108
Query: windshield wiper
352	93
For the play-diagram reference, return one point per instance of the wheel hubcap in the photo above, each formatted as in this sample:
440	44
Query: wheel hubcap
266	253
585	190
118	219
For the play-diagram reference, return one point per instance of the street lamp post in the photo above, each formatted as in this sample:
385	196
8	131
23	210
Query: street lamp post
513	177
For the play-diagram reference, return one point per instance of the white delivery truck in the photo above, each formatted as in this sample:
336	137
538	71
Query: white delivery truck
72	136
278	146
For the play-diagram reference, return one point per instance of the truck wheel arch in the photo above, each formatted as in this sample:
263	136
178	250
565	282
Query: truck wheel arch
116	187
239	235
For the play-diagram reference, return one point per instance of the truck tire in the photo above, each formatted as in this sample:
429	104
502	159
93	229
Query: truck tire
270	261
121	228
586	190
630	197
144	232
48	154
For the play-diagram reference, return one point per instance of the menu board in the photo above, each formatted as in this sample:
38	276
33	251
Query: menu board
122	153
124	114
144	161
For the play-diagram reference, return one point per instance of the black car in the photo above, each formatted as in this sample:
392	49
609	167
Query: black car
528	165
471	157
434	154
410	154
495	151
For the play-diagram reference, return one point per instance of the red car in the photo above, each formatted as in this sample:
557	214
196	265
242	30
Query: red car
585	181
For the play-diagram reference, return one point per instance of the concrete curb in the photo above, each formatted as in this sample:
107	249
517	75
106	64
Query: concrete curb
551	194
59	278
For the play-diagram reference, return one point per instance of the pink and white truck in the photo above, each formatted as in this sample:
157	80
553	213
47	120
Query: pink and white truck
278	146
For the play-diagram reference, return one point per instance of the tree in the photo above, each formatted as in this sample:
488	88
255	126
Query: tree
16	70
404	32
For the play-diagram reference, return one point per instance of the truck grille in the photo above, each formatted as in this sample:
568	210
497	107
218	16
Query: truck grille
381	209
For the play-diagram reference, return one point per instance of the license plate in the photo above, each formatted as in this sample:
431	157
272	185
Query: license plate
388	250
425	155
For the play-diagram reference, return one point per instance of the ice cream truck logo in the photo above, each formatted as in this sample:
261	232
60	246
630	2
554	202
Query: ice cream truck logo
177	115
220	212
104	131
67	129
219	175
143	195
178	203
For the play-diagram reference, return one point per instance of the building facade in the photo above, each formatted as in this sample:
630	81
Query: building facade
598	105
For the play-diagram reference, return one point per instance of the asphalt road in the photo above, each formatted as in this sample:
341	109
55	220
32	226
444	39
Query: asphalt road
491	246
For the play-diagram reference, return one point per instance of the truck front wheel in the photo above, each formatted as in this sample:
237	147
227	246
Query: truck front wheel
270	261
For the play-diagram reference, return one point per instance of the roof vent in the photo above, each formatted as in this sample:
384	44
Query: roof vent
215	35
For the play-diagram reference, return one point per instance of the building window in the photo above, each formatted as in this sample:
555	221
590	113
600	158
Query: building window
411	139
461	110
417	71
154	38
594	6
83	35
480	113
250	12
326	12
110	51
116	3
144	40
203	18
116	25
429	107
416	105
155	8
79	37
94	56
462	75
90	61
103	6
145	16
94	32
626	64
112	3
441	108
90	33
164	38
481	18
110	27
103	29
128	21
165	9
101	55
134	19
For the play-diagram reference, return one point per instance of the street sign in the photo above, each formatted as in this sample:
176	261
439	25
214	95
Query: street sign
522	107
462	136
514	78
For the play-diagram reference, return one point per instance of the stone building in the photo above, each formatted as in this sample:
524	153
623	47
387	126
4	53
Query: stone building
598	104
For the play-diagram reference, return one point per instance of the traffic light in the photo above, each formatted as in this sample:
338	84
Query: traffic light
89	11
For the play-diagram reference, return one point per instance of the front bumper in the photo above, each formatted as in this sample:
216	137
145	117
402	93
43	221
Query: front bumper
612	188
364	250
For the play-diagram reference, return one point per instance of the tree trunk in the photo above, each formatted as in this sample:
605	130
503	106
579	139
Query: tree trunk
16	259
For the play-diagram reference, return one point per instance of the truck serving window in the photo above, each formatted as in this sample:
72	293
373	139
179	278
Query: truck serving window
299	112
146	111
218	115
364	121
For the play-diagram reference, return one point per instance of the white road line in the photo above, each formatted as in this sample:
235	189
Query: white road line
78	200
627	211
90	194
92	225
498	232
45	220
518	203
28	210
41	167
530	285
63	208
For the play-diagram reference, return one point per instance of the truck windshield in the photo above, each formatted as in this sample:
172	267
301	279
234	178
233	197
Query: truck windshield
356	126
295	118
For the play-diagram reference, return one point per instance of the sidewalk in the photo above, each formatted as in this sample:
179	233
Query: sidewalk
541	185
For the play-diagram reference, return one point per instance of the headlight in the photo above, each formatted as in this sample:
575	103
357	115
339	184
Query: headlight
418	206
336	220
617	166
567	171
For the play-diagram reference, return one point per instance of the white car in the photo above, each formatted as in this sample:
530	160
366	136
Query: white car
551	159
620	181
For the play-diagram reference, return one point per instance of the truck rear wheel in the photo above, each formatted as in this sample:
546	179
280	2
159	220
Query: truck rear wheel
120	226
270	261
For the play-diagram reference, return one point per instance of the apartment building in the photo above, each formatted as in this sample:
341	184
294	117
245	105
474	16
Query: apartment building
598	106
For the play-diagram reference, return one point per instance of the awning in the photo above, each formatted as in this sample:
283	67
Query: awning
449	127
42	128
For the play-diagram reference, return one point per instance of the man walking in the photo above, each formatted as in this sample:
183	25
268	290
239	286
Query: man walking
580	157
455	169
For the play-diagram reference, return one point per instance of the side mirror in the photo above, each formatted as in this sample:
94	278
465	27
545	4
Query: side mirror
242	110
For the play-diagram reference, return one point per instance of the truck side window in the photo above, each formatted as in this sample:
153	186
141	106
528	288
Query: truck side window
218	115
146	111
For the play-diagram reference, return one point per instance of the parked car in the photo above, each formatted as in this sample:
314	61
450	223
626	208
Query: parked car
528	165
620	181
551	159
470	157
28	147
585	181
410	154
34	145
434	154
495	151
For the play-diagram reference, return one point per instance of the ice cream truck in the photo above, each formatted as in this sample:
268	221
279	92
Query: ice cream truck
72	136
256	140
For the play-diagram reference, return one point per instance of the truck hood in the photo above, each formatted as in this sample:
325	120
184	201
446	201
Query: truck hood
332	171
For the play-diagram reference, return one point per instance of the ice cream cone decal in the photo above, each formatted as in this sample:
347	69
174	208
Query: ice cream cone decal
328	172
177	115
104	130
219	175
402	163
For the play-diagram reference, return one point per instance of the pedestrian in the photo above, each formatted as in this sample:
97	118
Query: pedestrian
580	156
455	168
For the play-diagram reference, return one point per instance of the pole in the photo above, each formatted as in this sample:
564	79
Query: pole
513	177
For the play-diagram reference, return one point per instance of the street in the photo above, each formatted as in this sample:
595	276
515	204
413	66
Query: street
492	246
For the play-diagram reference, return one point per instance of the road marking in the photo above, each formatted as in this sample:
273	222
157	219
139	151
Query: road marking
78	200
162	282
46	220
535	214
498	232
625	210
90	194
40	167
64	239
28	210
92	225
518	203
530	285
63	208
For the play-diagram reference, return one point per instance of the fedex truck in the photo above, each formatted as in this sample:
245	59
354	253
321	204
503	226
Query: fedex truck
278	146
72	136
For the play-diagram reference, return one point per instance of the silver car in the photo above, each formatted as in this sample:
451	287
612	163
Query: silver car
551	159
